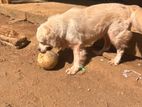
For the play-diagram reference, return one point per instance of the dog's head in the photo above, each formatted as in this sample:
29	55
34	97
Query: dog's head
46	37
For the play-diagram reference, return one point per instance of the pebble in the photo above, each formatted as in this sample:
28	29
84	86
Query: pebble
88	89
79	102
139	64
122	93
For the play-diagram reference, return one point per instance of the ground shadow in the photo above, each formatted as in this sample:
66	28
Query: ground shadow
22	43
135	45
65	56
134	50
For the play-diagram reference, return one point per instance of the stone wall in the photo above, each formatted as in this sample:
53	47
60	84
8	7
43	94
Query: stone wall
4	1
80	2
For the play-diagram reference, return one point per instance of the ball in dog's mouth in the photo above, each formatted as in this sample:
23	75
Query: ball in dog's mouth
47	60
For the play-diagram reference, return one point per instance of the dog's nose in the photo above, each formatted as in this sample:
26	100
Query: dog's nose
38	49
41	51
48	48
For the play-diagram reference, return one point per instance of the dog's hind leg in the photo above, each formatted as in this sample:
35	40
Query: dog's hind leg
119	35
120	42
116	60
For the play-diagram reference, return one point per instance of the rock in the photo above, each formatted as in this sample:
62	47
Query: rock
13	38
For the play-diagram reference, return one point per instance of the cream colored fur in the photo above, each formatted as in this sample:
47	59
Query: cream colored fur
81	27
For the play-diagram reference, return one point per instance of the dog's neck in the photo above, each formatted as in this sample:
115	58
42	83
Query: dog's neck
60	31
58	25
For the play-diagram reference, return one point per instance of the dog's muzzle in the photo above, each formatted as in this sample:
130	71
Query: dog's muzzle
44	50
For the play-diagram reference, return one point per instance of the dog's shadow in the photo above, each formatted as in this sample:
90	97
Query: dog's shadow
135	45
65	56
134	50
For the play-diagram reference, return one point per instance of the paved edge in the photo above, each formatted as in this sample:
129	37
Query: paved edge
17	15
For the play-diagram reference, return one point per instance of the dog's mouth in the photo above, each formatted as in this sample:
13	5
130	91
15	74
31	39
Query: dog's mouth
49	48
44	50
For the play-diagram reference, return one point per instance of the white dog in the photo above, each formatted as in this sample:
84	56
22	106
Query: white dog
81	27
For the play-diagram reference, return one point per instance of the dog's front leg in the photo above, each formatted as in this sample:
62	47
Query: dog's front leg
76	61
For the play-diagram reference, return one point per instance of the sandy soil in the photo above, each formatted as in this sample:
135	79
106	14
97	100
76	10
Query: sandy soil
24	84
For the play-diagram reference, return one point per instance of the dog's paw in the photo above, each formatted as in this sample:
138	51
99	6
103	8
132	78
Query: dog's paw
71	71
113	62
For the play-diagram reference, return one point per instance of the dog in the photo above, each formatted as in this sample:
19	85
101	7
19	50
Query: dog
78	28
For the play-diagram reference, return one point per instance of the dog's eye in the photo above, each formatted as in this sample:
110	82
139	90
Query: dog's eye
43	43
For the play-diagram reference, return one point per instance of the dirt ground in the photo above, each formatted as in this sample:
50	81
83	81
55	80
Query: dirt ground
24	84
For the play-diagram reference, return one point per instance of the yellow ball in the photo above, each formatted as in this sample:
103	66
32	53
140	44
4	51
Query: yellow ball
47	60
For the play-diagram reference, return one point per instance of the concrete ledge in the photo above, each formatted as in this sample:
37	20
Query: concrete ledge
33	12
11	12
